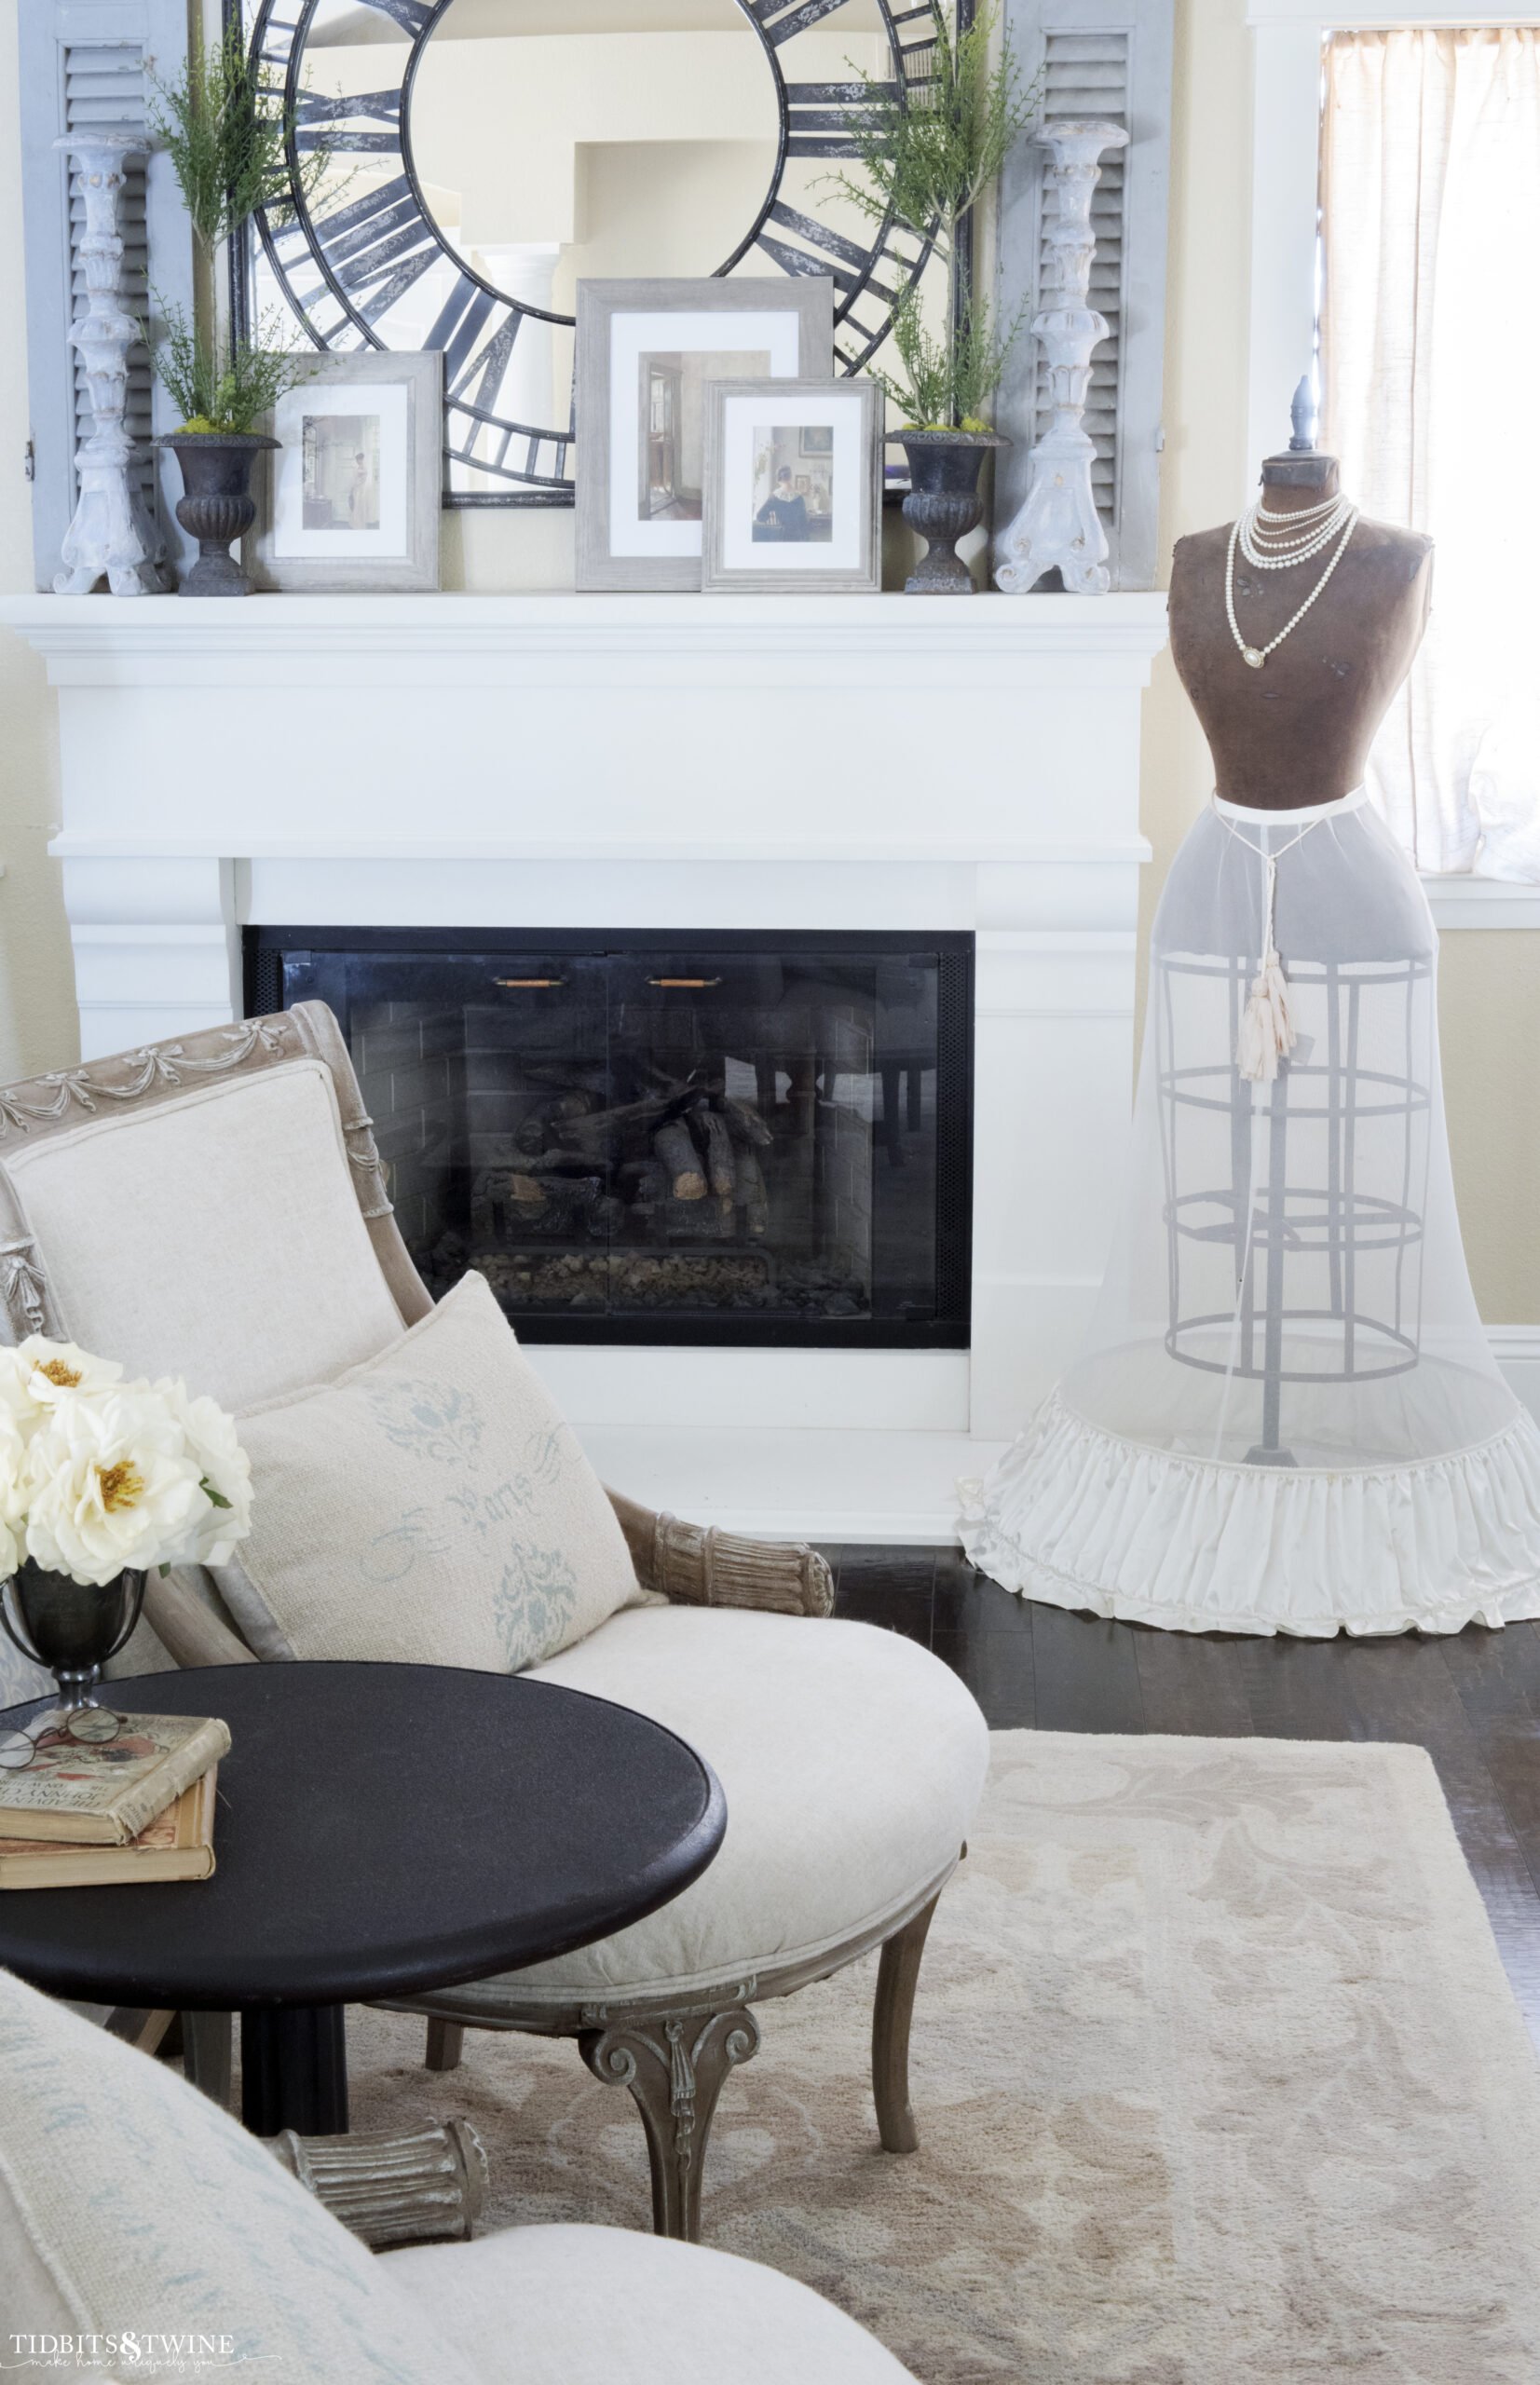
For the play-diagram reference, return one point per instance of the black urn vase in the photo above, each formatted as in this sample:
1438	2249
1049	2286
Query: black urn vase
218	507
71	1627
943	504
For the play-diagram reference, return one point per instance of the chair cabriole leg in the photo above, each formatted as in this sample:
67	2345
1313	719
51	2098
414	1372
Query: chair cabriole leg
897	1973
675	2066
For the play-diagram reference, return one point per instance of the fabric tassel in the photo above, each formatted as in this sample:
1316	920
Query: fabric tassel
1268	1033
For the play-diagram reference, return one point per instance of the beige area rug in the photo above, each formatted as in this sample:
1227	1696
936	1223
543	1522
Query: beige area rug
1218	2077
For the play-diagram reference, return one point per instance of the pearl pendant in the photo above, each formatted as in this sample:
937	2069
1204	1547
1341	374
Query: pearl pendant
1250	654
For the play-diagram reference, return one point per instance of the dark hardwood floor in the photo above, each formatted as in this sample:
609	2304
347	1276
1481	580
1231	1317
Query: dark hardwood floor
1472	1701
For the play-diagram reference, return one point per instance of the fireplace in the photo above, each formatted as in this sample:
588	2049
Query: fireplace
657	773
747	1138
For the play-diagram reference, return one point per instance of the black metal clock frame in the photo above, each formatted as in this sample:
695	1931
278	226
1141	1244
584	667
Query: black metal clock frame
365	255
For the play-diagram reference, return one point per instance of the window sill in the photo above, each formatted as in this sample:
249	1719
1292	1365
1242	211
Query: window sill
1462	899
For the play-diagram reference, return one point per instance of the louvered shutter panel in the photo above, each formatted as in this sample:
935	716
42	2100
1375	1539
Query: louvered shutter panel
1113	63
85	64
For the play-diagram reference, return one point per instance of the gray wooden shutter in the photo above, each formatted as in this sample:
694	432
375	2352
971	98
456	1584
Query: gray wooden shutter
1108	59
87	62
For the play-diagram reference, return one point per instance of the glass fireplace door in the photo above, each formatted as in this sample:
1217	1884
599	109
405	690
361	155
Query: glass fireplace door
752	1140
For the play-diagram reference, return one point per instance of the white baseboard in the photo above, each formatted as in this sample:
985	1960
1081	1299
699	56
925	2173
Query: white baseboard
899	1487
1517	1351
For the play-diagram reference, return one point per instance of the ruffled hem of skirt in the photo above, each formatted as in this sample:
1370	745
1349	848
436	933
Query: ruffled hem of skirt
1082	1518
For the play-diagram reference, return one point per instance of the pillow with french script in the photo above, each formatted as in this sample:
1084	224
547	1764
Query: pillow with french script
430	1507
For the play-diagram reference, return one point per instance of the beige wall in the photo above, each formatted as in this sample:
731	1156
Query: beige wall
1491	1003
36	982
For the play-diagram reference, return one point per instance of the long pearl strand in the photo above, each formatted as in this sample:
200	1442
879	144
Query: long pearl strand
1338	514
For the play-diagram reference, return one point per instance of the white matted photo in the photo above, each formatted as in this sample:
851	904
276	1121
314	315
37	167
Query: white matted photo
350	498
793	493
648	352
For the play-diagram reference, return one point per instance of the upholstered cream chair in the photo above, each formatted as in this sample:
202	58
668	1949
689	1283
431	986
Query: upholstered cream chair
215	1207
131	2209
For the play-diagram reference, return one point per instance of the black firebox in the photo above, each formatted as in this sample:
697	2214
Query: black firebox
728	1138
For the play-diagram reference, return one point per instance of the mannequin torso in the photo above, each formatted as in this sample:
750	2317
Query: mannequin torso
1298	732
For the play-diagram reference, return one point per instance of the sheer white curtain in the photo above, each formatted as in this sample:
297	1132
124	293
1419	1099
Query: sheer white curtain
1431	349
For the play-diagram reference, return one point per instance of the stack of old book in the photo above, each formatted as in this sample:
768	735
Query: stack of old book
138	1805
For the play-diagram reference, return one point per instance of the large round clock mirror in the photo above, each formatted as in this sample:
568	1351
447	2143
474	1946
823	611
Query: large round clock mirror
485	155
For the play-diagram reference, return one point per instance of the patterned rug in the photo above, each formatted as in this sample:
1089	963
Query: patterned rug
1218	2078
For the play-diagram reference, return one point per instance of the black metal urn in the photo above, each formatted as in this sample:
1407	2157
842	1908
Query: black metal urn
943	503
218	507
71	1627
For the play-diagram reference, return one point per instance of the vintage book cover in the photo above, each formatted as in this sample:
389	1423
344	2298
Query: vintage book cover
103	1795
179	1844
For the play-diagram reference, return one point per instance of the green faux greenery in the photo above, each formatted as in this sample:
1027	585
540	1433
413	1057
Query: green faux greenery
947	382
225	130
929	156
220	387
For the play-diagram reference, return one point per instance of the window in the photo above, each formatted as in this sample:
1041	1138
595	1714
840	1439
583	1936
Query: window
1430	339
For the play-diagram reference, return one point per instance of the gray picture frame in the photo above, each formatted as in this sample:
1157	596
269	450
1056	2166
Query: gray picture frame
809	298
719	578
417	570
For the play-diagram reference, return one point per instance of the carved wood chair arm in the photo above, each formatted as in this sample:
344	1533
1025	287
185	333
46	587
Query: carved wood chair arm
697	1565
186	1628
390	2188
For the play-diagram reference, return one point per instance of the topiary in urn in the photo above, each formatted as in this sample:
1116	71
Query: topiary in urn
225	127
929	155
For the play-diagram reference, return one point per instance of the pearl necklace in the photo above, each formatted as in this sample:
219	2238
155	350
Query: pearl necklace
1296	513
1255	656
1275	549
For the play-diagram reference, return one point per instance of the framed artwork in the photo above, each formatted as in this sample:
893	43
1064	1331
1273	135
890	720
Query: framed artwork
350	498
648	352
793	490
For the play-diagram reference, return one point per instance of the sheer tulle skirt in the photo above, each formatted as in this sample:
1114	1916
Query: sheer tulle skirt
1287	1416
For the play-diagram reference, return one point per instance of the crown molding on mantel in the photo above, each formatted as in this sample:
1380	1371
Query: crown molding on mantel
742	640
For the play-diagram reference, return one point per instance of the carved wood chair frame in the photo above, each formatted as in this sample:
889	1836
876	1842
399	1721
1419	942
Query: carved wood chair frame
673	2054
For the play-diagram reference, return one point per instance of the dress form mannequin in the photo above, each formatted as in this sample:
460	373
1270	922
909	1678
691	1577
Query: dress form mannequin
1285	1415
1298	732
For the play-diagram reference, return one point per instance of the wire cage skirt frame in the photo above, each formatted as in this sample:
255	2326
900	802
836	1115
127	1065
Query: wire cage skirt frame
1296	1212
1285	1415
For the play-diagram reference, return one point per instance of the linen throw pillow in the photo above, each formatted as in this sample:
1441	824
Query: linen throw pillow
428	1506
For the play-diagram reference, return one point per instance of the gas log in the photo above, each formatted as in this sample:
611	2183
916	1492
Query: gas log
583	1161
675	1147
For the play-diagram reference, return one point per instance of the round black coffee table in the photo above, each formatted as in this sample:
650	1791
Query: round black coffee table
381	1830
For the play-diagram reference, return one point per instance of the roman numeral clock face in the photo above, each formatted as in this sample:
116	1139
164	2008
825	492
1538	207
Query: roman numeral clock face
482	155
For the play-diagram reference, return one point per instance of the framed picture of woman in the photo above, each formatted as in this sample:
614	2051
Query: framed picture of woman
793	493
647	351
350	500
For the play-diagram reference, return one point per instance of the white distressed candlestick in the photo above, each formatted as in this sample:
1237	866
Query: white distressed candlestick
1058	523
111	532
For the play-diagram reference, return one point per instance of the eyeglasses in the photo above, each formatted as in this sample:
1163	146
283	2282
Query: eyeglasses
86	1726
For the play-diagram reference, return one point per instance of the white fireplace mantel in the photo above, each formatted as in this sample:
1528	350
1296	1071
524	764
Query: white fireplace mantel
676	762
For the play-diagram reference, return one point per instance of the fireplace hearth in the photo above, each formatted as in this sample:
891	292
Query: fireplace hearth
742	1139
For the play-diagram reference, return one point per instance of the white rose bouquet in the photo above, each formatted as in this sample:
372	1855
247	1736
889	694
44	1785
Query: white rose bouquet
98	1475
